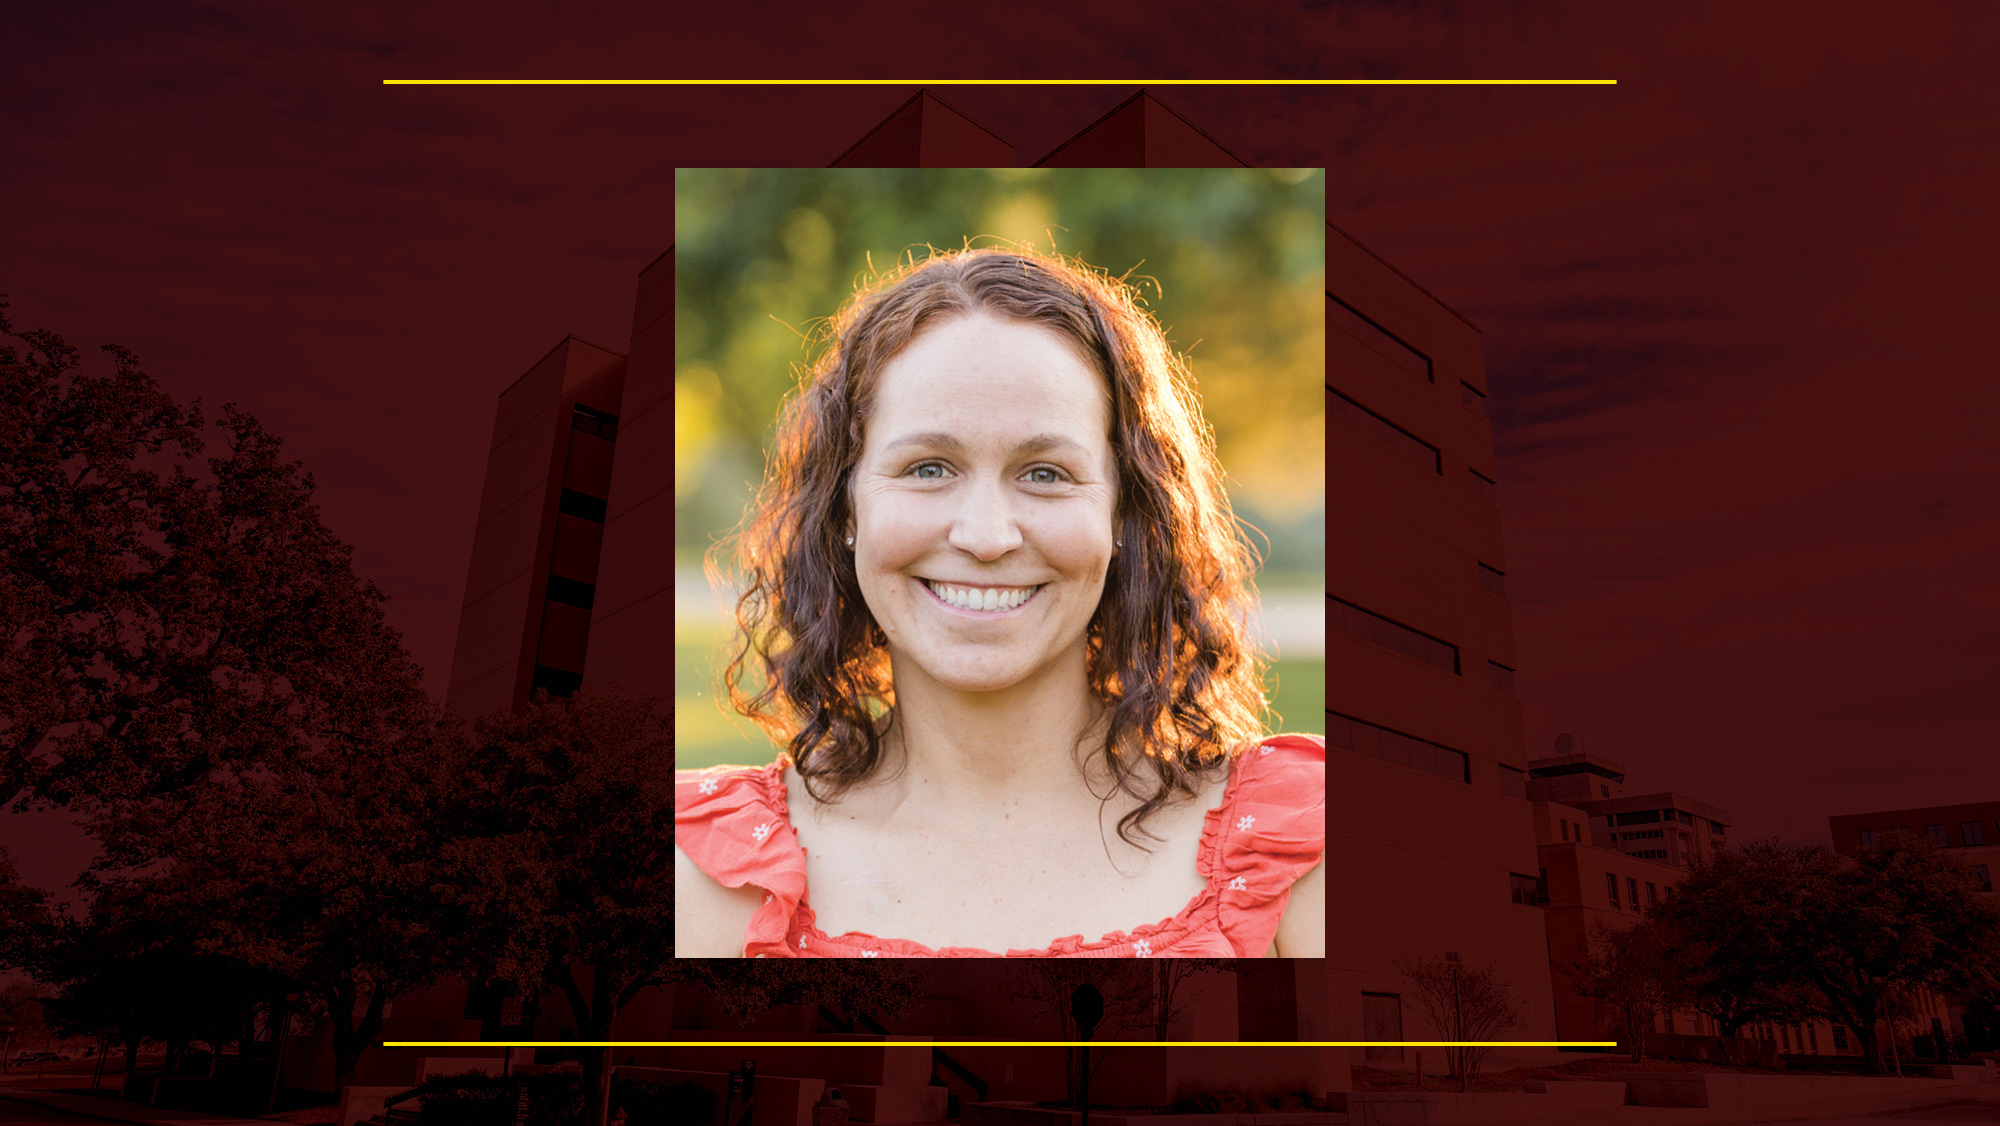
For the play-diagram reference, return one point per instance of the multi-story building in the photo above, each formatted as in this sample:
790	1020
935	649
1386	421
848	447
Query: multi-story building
1971	831
1432	840
1605	858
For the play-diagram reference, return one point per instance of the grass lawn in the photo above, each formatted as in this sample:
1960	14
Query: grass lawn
706	735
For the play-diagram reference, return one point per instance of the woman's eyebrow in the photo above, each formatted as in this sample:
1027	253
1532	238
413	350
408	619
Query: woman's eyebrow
939	440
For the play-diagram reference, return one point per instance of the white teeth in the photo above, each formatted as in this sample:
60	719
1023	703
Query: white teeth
981	598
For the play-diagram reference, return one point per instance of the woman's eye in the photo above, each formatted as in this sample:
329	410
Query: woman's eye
930	470
1054	477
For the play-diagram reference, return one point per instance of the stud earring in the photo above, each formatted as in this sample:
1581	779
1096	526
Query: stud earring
1121	543
850	541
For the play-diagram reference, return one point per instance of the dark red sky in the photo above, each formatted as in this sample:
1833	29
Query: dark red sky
1737	308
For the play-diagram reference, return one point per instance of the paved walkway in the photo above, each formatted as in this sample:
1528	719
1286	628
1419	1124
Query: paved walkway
118	1110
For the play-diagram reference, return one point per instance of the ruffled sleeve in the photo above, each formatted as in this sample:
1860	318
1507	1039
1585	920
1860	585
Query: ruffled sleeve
731	821
1269	833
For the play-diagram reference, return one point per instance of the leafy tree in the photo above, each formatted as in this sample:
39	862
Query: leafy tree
130	971
563	867
319	871
1463	1003
23	1008
187	655
1889	919
25	918
1729	928
161	614
1635	969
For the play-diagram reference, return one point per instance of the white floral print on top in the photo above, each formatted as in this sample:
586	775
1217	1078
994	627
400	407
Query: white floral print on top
871	953
1142	949
1243	822
1236	884
762	831
708	785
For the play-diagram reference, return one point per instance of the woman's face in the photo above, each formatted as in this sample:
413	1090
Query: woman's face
984	502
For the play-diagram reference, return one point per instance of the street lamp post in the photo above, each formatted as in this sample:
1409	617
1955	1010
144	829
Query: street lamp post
1457	1017
1086	1007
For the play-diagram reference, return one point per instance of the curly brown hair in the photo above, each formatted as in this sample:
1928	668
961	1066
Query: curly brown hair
1167	651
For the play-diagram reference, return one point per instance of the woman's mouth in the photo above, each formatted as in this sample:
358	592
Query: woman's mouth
982	600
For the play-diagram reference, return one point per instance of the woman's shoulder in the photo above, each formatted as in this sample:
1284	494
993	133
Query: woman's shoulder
1273	816
731	826
1267	835
730	820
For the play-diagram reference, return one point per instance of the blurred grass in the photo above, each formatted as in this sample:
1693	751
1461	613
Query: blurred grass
706	734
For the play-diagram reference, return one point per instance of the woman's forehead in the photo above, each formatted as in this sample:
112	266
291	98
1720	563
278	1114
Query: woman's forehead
988	378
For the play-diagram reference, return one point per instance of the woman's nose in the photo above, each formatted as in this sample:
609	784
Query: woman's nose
984	525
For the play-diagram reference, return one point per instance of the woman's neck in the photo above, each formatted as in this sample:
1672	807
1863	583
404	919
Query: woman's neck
965	750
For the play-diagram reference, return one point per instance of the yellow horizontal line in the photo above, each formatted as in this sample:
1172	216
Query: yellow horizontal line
999	82
999	1043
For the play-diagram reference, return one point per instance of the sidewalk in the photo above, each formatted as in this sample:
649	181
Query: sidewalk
118	1110
1956	1102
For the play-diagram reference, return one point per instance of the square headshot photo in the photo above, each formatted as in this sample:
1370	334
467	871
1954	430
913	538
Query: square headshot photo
999	538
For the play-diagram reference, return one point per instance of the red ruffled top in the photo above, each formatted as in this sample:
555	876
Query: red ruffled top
1270	829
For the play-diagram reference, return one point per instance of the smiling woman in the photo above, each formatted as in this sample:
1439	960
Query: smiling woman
994	593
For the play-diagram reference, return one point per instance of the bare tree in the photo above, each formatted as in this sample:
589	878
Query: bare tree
1048	984
1464	1002
1634	969
1169	976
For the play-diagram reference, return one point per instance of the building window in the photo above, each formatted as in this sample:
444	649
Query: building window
1686	817
1652	893
1839	1037
1472	398
1368	739
1380	339
1936	833
571	592
1353	620
1812	1038
1405	444
1482	487
1604	791
1640	817
1867	838
1565	827
1492	581
1632	886
596	422
1611	888
1717	827
1648	854
1970	833
1523	889
1542	887
1514	783
1501	678
1984	875
1670	892
582	506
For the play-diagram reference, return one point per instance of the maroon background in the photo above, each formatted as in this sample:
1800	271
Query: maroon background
1737	308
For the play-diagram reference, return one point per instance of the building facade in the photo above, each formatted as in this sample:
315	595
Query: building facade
1432	846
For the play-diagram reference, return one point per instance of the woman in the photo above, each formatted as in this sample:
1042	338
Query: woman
994	593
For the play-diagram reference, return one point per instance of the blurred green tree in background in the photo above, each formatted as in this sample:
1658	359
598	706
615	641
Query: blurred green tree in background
1230	261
